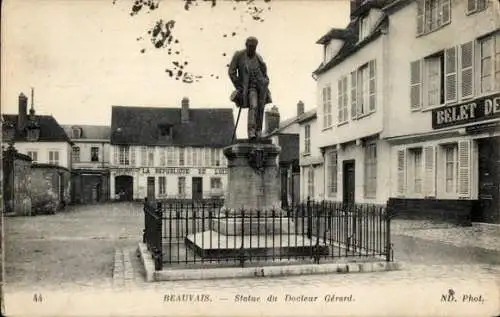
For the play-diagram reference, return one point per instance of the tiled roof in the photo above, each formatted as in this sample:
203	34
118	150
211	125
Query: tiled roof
351	44
306	116
334	33
140	126
50	130
90	132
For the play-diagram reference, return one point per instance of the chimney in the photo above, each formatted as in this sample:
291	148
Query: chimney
300	108
185	110
32	109
355	4
22	118
272	119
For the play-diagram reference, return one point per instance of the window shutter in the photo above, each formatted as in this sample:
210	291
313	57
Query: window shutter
464	166
353	95
340	101
450	74
467	69
445	11
416	84
329	105
132	156
372	93
401	172
345	99
420	17
325	112
115	157
430	171
471	5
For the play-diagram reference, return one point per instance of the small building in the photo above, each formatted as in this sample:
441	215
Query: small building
285	134
171	152
42	139
311	158
90	163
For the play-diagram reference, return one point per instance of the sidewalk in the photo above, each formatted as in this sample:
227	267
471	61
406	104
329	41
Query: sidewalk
477	236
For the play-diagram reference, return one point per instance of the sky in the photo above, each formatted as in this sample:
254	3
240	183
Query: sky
84	56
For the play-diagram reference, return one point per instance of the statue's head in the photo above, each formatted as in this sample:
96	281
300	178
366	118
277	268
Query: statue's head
251	45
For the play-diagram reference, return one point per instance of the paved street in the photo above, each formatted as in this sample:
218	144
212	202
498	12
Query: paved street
94	247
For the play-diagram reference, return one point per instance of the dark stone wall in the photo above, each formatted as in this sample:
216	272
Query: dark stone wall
47	194
17	183
456	211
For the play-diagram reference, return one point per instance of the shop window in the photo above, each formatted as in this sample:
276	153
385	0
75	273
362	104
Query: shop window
181	186
414	170
450	152
162	181
215	183
370	170
332	173
310	182
94	154
75	154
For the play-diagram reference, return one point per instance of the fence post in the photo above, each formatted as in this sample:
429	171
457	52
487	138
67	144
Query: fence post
145	220
158	252
388	246
309	217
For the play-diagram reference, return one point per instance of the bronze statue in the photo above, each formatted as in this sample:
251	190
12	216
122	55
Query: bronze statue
248	73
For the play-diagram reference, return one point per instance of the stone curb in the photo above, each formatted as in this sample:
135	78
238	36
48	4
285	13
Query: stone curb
264	271
147	261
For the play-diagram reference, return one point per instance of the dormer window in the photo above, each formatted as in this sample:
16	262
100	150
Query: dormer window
76	133
364	28
165	130
33	132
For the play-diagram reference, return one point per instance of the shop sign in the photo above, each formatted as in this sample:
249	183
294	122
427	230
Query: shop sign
480	109
220	171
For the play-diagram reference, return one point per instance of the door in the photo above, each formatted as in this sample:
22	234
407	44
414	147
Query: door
489	182
124	187
151	188
348	182
197	188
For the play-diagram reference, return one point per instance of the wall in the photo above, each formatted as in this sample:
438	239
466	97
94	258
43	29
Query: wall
17	183
368	125
140	181
85	155
404	46
43	149
45	188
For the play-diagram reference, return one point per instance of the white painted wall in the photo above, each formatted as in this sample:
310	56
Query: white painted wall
353	129
404	46
43	148
85	153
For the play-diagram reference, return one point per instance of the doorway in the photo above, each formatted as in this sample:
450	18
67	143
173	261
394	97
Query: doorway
349	184
488	180
197	188
124	187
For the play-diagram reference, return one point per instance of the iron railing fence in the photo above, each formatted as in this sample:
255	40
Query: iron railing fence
198	234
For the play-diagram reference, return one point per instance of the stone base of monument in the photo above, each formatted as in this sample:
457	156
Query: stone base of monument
251	223
213	245
244	226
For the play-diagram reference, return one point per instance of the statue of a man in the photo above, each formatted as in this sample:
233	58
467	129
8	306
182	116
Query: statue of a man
248	73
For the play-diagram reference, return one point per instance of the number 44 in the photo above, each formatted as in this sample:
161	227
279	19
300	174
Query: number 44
37	298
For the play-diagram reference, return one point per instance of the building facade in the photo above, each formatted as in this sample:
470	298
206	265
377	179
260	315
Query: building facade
311	158
171	152
351	107
410	111
90	157
445	106
285	134
42	139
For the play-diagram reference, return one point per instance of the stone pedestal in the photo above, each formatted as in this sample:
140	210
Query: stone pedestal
251	220
253	189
